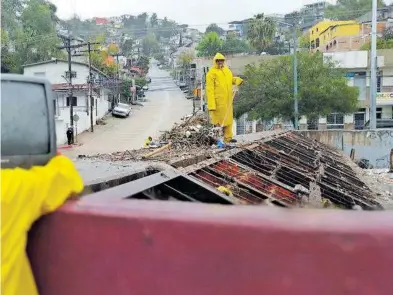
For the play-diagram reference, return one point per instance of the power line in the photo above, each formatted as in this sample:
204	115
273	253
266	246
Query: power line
173	29
67	45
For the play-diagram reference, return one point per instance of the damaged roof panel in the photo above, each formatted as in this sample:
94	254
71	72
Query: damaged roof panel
289	170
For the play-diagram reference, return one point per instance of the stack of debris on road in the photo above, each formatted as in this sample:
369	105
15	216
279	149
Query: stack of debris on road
193	137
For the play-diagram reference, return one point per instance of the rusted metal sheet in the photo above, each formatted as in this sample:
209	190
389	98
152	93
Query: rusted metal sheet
176	248
283	169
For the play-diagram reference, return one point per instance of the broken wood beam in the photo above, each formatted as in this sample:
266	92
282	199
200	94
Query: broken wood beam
157	151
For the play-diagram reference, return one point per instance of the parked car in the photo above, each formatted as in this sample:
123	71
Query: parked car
148	79
381	123
145	88
182	85
121	110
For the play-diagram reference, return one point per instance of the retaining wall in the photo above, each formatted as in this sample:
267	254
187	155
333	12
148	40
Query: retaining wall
374	146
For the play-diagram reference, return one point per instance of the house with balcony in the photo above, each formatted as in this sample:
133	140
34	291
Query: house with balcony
56	71
357	66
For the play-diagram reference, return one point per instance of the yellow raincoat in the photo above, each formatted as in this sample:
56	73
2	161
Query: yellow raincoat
220	96
26	195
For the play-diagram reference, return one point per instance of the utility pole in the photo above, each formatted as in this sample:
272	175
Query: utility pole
295	73
117	75
90	89
67	40
373	68
90	82
295	86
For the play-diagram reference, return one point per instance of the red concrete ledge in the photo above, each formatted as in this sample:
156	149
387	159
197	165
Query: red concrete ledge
172	248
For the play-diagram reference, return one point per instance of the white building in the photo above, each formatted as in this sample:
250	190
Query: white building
56	72
357	66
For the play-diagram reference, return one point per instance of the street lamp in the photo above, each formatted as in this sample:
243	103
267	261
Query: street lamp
295	83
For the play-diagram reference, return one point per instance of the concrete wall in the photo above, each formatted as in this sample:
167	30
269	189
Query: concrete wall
372	145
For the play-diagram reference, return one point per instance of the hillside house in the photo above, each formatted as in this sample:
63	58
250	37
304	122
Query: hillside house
56	71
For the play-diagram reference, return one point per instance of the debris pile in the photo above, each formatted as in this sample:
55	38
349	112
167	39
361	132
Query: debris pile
195	131
193	137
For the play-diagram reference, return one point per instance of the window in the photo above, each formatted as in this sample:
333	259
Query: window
317	43
312	123
335	121
360	118
359	81
73	74
379	113
74	101
55	98
39	74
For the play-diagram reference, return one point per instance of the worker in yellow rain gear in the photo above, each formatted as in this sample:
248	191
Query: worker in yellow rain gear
219	83
26	195
148	141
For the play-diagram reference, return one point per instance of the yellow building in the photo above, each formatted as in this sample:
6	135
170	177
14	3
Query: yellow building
323	32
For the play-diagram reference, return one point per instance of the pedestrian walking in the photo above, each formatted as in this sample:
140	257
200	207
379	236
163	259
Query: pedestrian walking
70	135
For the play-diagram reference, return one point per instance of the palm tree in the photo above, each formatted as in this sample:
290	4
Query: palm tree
154	20
261	32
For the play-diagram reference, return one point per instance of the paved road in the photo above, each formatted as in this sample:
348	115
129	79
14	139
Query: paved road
165	105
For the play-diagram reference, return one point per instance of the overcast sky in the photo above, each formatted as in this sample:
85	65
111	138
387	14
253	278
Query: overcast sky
192	12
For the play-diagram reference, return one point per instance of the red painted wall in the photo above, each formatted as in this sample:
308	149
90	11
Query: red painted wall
154	248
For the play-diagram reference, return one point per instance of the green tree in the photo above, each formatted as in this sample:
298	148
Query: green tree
127	47
34	38
150	44
141	24
233	44
143	63
277	48
261	32
381	44
8	58
268	91
388	33
385	42
304	41
209	45
99	56
154	20
215	28
186	57
167	29
10	12
349	9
